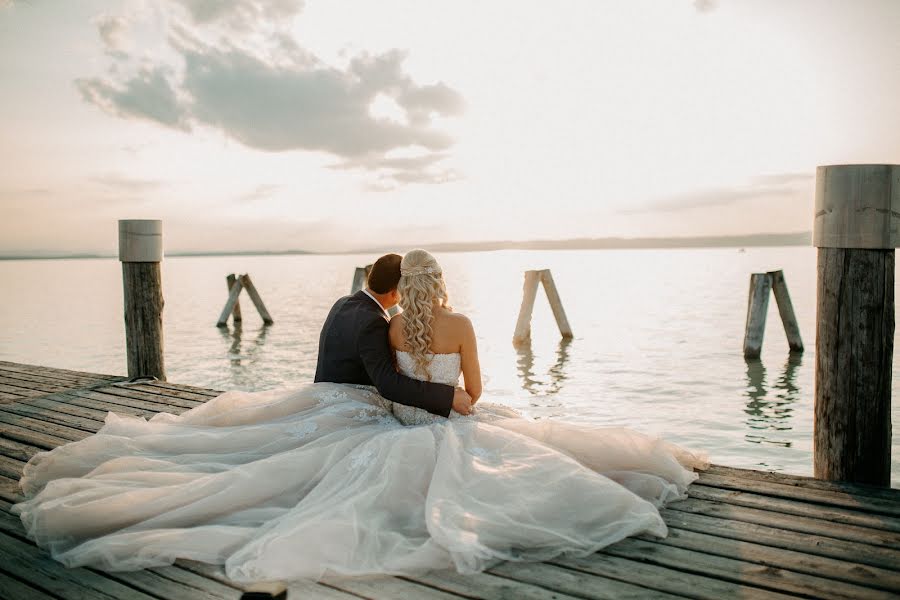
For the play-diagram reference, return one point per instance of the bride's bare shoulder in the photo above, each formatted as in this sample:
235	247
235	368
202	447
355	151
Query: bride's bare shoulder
395	331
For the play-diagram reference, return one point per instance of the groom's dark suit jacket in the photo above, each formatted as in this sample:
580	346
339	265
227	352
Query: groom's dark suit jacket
354	348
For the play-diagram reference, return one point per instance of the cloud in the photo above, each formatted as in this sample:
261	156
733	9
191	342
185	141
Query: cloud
118	182
280	97
242	15
706	6
760	187
260	192
149	94
112	30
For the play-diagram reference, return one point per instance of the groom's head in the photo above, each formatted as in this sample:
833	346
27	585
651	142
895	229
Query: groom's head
383	279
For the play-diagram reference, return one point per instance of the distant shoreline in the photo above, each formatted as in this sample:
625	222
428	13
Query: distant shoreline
803	238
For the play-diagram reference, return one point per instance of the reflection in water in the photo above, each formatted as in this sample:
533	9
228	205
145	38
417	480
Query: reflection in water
238	350
552	383
770	410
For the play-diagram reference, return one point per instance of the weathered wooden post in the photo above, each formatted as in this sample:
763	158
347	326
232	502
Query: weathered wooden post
757	305
786	310
856	231
360	274
230	279
140	251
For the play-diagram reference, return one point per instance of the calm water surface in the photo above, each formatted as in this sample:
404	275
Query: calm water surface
657	345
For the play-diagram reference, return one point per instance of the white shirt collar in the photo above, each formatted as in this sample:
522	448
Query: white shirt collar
386	315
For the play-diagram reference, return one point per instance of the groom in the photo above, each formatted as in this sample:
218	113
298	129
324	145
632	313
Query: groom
353	346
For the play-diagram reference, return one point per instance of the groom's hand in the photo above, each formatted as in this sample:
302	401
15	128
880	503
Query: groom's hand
462	401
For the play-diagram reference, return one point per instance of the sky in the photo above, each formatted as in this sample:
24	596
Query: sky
333	125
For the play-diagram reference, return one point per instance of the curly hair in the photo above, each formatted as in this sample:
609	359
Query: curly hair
421	286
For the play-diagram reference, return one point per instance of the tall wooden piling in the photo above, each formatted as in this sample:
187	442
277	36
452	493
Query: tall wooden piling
140	251
855	231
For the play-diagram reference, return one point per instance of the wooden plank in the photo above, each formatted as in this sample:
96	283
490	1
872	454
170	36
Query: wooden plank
20	391
167	385
795	507
757	307
845	570
664	579
257	299
12	525
386	588
10	396
51	416
127	402
138	394
10	490
72	382
229	304
892	494
60	431
577	583
24	561
160	587
23	367
18	450
210	587
742	572
485	585
33	386
13	589
28	436
61	405
841	531
298	590
194	397
98	405
833	498
11	467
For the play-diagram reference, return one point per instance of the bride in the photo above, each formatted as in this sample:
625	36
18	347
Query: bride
334	479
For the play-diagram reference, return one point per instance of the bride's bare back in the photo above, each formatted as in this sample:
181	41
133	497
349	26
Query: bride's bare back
451	333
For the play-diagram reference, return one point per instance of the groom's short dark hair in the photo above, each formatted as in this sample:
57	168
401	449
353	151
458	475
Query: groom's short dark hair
385	274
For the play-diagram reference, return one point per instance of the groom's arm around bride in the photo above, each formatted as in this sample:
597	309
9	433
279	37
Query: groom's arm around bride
354	347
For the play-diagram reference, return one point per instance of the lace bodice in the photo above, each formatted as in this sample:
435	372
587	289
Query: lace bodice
444	368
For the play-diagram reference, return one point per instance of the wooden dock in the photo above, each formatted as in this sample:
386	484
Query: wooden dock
740	534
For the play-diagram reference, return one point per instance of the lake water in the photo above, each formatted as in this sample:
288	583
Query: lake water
658	336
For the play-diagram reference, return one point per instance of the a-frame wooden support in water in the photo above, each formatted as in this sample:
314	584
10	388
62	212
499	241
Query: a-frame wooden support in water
235	285
758	304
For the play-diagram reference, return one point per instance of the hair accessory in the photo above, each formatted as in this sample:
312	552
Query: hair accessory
408	272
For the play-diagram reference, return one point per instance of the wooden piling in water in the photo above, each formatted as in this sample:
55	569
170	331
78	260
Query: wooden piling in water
230	279
855	231
140	252
757	305
360	274
786	310
257	299
529	293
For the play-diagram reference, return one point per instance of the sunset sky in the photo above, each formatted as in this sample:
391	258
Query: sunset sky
335	124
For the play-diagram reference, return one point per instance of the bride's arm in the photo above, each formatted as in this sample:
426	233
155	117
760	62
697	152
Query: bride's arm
471	368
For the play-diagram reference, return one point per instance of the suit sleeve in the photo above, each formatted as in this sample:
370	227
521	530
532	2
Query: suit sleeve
375	353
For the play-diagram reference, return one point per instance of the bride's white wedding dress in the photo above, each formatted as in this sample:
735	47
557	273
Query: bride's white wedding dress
325	479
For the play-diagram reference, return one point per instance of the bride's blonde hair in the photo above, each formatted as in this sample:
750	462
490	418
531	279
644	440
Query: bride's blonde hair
421	286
